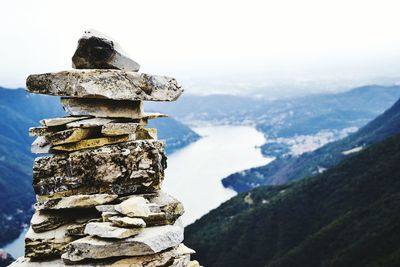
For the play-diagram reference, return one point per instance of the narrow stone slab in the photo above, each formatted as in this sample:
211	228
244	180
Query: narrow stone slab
47	244
152	240
71	135
60	121
89	123
105	108
107	230
91	143
43	130
110	84
124	168
112	128
46	220
98	51
127	222
76	201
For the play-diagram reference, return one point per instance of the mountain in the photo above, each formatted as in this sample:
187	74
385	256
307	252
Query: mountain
346	216
286	117
285	169
19	111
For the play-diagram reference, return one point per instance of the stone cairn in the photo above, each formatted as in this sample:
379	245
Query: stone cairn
99	201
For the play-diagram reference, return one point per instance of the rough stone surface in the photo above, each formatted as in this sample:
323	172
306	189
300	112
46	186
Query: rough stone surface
135	206
105	108
111	129
97	51
75	201
152	240
92	143
127	222
110	84
125	168
108	230
46	244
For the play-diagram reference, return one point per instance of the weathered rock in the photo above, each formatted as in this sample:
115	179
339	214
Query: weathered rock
91	143
164	209
112	129
97	51
124	168
135	206
46	244
53	122
90	123
193	264
43	130
110	84
105	108
41	145
71	135
146	133
152	240
76	201
127	222
108	230
46	220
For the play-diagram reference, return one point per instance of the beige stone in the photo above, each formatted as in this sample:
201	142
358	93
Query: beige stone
60	121
135	206
102	83
108	230
127	222
76	201
91	143
150	241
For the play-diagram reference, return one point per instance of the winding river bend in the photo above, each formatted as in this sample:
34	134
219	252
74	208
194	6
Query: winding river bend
194	173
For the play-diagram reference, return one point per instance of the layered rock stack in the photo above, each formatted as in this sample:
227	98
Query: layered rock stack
99	198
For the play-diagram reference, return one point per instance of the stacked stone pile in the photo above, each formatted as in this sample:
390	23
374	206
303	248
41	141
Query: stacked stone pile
99	198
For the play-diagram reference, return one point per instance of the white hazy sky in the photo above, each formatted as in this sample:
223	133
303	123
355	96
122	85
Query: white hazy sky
224	46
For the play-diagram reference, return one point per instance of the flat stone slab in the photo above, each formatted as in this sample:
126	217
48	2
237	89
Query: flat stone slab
105	108
53	122
152	240
91	143
109	84
108	230
124	168
46	244
127	222
98	51
75	201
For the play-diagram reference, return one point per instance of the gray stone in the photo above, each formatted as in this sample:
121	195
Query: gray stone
98	51
75	201
152	240
105	108
124	168
109	84
108	230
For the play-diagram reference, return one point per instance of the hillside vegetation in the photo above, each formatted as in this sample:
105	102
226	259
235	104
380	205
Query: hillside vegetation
347	216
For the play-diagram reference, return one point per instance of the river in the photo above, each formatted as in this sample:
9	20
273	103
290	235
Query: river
194	173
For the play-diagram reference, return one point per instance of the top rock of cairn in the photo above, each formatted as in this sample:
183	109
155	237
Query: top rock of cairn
98	51
102	70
